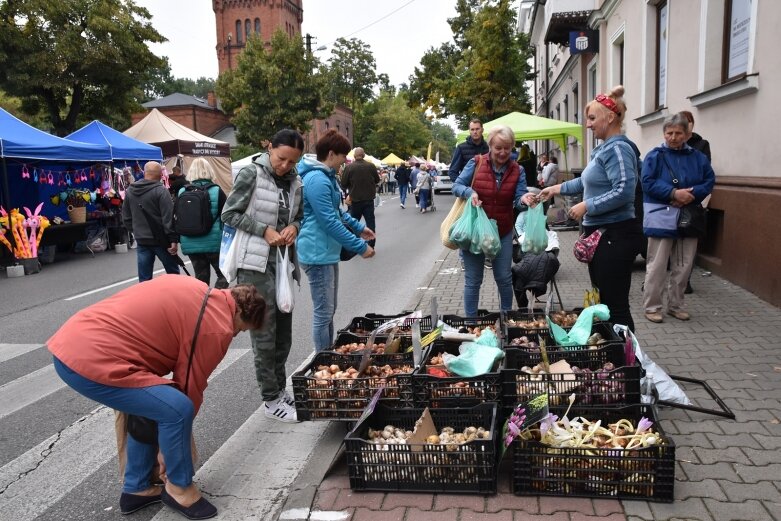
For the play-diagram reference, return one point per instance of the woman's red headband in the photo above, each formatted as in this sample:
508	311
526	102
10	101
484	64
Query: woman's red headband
608	102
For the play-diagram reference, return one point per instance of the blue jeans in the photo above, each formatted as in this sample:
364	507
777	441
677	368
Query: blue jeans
172	410
502	269
365	209
324	286
403	193
145	257
425	198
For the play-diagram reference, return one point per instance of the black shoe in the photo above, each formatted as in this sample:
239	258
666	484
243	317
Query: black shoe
129	503
201	509
689	290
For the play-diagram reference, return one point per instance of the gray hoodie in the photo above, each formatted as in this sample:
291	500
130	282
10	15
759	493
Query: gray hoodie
156	200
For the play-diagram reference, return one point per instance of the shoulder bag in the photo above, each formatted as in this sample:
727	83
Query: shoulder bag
455	213
144	429
692	217
585	246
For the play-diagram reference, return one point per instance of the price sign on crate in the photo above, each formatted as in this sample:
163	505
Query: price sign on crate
524	415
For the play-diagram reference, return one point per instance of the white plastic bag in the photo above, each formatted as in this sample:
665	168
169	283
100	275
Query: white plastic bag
285	296
229	246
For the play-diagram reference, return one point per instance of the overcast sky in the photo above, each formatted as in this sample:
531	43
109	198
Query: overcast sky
398	31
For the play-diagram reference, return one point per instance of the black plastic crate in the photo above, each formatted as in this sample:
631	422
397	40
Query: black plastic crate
620	386
582	356
366	324
467	468
405	342
455	391
513	331
458	321
345	399
644	474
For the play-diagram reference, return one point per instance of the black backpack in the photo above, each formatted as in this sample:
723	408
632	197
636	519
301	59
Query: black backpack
193	211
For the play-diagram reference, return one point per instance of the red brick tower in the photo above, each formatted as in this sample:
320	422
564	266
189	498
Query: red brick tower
238	18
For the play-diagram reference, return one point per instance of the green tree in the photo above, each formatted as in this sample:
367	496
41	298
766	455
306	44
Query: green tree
387	124
351	72
443	140
484	73
272	89
161	82
76	60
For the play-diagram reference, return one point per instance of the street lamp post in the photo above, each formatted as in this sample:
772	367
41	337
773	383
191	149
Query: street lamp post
230	37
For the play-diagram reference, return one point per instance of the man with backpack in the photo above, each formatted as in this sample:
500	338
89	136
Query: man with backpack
196	217
147	213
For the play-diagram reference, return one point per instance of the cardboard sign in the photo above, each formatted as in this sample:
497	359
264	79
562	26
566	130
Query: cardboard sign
424	428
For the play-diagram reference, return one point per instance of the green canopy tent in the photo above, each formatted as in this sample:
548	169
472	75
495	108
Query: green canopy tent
528	127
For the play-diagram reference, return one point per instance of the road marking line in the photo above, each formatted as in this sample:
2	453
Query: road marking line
18	394
120	283
9	351
43	475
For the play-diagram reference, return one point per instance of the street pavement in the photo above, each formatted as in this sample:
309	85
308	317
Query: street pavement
266	470
726	469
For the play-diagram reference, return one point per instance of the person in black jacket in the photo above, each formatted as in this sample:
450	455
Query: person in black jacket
695	140
473	145
402	178
176	181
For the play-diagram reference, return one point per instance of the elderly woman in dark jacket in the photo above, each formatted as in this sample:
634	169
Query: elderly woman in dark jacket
674	175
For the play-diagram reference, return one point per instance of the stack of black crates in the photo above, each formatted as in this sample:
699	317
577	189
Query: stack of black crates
487	401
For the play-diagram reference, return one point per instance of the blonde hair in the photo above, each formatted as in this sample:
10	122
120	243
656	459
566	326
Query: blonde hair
200	169
502	132
617	95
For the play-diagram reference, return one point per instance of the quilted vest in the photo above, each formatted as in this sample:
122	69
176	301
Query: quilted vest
497	203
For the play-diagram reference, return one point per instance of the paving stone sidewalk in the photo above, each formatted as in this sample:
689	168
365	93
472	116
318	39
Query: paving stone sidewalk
726	470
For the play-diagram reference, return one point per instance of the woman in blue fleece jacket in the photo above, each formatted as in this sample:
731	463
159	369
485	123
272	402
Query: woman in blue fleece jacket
608	188
674	175
324	232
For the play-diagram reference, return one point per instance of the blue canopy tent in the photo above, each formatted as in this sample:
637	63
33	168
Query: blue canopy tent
122	147
25	145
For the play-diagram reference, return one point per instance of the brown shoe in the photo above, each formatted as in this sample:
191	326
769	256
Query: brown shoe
655	317
679	314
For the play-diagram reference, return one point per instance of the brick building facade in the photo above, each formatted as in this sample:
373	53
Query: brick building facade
203	116
238	19
340	119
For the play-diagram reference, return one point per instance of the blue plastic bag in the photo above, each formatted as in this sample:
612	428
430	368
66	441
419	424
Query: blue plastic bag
535	238
474	359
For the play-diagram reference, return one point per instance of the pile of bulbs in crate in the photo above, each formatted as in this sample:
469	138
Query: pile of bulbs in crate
437	401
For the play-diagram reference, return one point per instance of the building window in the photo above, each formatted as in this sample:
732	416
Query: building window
238	32
247	28
257	26
327	125
737	39
662	11
566	108
592	82
347	130
558	111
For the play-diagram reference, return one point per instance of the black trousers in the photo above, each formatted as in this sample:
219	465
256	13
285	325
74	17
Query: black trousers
202	264
611	268
364	209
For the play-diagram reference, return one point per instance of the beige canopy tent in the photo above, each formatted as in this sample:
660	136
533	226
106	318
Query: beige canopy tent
175	139
368	158
392	159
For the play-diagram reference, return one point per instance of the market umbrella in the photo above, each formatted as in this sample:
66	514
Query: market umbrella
392	159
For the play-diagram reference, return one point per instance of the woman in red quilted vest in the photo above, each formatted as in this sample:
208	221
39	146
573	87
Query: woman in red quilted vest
499	185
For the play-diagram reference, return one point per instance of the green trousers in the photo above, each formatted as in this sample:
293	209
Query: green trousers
271	344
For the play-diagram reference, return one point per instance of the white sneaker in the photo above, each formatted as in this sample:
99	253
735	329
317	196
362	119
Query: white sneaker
401	205
287	397
417	205
280	411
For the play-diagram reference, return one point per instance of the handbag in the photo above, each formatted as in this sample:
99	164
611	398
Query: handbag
692	221
691	218
143	429
284	281
229	246
585	246
455	213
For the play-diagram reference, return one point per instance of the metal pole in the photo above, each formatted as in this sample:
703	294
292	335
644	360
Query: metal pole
7	203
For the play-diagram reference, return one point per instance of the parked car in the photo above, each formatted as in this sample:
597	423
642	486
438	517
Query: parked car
443	182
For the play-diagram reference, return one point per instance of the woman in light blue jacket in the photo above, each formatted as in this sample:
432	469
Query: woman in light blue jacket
324	232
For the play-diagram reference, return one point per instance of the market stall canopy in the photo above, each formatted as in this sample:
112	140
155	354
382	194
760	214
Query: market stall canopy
392	159
20	140
527	127
122	147
174	138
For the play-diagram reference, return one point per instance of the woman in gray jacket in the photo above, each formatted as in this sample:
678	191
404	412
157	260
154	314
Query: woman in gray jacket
266	203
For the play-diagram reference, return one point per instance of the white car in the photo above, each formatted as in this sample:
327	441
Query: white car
443	182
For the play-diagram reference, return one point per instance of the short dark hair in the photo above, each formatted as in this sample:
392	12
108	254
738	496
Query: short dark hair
476	120
288	137
250	304
332	141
